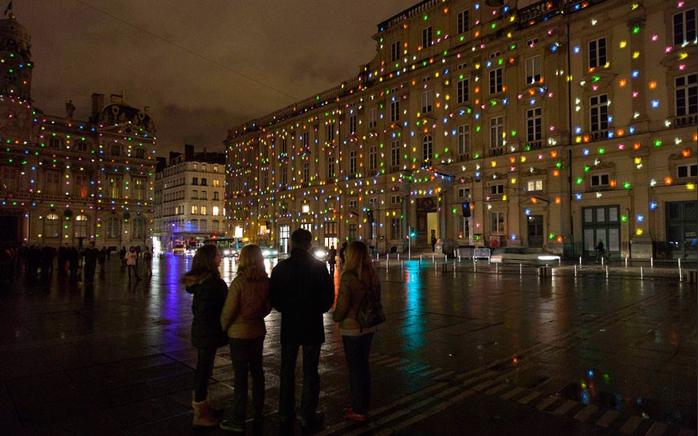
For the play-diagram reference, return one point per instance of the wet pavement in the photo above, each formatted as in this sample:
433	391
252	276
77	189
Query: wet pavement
492	352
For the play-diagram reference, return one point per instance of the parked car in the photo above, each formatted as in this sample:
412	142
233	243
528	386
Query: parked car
178	250
269	252
523	255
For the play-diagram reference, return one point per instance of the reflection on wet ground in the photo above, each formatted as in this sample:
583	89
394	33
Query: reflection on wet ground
585	354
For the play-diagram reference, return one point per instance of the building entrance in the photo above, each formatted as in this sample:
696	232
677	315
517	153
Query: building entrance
601	223
535	231
681	229
427	221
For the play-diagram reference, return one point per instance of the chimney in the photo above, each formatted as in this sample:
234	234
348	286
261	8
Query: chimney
188	152
117	99
69	109
97	105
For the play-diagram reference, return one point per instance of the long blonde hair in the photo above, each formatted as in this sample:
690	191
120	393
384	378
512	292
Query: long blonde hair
251	263
358	259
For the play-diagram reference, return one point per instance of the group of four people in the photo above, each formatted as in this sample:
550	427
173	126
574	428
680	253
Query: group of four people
302	290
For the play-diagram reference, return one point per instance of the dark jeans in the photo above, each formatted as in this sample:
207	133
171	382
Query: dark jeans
135	271
311	382
90	272
204	367
246	355
356	350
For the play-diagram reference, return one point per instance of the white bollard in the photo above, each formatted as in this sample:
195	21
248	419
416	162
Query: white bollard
642	273
432	258
607	271
602	260
652	262
575	270
521	268
496	268
402	264
580	261
474	266
680	271
398	256
420	258
626	261
387	260
445	257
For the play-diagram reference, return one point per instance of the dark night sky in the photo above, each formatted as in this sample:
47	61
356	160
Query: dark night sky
296	47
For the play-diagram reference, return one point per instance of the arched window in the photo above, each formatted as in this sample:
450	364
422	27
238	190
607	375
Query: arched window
51	226
138	228
113	228
194	225
203	225
80	226
427	149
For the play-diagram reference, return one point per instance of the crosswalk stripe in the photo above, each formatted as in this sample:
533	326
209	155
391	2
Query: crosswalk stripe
511	393
497	389
546	402
607	418
657	429
586	413
529	397
631	425
566	407
444	375
484	385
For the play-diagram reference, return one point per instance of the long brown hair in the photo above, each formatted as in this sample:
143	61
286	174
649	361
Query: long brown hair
251	263
358	259
203	266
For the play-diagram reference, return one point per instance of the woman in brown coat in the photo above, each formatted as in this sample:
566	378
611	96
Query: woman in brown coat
358	276
243	319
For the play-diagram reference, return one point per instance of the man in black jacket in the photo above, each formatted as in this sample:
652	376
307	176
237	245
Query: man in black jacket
301	290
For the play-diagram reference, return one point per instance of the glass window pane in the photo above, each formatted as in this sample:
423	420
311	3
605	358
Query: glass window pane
588	215
600	215
613	214
589	242
613	240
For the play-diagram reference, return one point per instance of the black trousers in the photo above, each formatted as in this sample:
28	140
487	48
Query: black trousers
311	382
356	351
246	355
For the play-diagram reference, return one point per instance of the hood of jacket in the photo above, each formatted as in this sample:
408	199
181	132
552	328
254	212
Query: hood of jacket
191	282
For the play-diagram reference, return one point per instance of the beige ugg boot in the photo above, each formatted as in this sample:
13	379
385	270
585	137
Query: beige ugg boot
203	416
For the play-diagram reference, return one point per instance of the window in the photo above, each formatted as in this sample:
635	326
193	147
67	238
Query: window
352	162
283	178
330	133
114	186
463	192
113	227
306	171
215	167
215	225
10	178
203	182
81	146
497	223
330	168
305	208
463	227
462	19
195	181
372	158
599	112
139	188
497	132
138	228
373	117
600	180
195	194
462	90
394	111
352	124
215	193
497	189
534	129
352	232
534	185
686	95
215	183
395	199
685	27
80	226
195	166
496	81
686	170
495	54
51	226
284	146
426	102
533	70
395	51
352	204
56	142
395	228
427	149
463	140
304	140
82	185
427	37
194	225
216	210
395	153
597	53
532	42
372	201
204	195
194	209
204	210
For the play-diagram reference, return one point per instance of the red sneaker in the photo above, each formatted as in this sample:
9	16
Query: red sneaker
350	414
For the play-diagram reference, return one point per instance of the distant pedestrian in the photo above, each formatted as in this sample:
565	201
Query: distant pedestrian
341	253
209	290
130	260
73	263
102	259
301	290
122	255
332	259
358	277
433	243
147	260
600	251
243	319
91	255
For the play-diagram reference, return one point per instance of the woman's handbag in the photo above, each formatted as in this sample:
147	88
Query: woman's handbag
370	311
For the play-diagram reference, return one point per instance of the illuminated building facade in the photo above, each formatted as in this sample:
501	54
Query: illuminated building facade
190	198
549	124
66	180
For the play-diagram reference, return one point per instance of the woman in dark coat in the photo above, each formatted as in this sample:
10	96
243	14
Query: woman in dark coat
210	291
